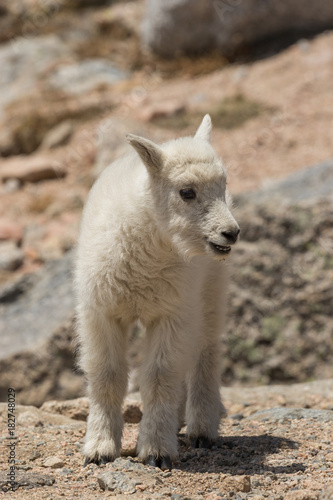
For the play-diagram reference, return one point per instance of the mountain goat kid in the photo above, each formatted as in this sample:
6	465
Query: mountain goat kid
155	232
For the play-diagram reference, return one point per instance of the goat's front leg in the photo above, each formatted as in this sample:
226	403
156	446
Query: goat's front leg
103	359
204	408
161	389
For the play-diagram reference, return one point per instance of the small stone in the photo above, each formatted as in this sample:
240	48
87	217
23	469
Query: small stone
53	462
34	455
132	475
303	45
66	471
116	480
237	483
11	257
237	416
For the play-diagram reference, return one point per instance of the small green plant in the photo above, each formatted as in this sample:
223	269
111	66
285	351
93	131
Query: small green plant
229	113
271	326
233	111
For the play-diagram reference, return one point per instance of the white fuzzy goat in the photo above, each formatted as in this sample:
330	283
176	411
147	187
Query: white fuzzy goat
155	232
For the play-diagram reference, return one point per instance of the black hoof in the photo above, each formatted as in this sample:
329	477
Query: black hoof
201	442
98	461
88	461
164	463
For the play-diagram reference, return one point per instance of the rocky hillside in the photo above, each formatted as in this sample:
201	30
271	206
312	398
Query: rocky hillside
75	79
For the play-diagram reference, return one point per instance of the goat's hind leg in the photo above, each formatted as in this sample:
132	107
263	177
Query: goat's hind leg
103	359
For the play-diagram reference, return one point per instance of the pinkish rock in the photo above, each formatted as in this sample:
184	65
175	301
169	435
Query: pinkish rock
236	483
77	409
30	169
53	462
163	110
10	231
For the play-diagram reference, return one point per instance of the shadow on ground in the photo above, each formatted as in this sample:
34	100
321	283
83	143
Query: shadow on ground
238	455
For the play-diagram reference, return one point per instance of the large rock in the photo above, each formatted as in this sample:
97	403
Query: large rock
41	81
83	76
33	308
23	61
32	168
177	26
307	184
44	371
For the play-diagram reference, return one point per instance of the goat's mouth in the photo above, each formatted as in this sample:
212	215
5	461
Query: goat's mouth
220	249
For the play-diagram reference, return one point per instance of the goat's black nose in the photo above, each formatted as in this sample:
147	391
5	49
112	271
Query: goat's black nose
231	236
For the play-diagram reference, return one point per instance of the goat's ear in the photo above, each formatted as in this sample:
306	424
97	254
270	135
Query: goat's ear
150	153
205	128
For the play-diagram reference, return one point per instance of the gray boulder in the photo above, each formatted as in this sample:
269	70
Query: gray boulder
23	62
187	26
32	308
280	414
307	184
83	76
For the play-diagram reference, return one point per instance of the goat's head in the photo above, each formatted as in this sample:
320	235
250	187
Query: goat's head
188	185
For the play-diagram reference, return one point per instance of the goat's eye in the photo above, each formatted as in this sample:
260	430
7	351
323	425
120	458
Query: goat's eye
187	194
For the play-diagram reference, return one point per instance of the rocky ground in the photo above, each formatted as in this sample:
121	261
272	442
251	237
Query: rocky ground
276	443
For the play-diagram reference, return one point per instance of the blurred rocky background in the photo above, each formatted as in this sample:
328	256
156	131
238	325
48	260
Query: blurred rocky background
76	75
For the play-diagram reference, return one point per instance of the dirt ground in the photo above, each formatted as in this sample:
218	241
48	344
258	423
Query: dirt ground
266	449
